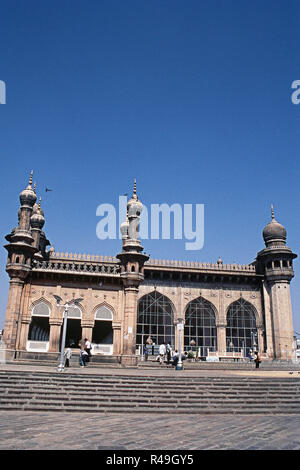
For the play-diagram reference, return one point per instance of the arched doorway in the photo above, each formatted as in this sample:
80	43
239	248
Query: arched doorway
39	328
74	330
155	318
200	326
103	338
241	331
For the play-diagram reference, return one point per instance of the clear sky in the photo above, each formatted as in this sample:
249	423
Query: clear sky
191	98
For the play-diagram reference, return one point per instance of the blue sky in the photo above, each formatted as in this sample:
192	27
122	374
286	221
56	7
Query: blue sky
191	98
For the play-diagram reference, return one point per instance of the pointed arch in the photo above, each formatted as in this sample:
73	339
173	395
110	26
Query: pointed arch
75	312
241	329
40	307
155	318
106	306
200	325
39	327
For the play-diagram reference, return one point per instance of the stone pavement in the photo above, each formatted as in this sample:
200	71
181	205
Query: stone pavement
63	431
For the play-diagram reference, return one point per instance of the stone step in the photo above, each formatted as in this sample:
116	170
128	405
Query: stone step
168	394
243	381
152	402
155	409
122	393
117	401
143	389
151	384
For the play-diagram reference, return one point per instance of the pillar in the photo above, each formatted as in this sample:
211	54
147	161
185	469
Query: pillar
221	337
54	337
24	333
117	337
13	313
130	314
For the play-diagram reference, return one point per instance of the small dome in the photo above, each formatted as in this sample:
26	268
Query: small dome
35	208
274	230
37	219
124	228
28	196
134	205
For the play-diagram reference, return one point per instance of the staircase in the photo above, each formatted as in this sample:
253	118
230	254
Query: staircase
67	392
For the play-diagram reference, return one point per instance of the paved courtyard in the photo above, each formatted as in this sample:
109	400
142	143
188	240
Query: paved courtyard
63	431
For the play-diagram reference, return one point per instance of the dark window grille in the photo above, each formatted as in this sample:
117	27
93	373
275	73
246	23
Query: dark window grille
155	318
241	331
200	326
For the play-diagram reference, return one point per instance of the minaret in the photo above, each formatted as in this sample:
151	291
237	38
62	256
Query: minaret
21	250
276	263
132	273
37	221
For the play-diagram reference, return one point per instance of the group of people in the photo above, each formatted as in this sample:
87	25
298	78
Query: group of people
84	356
168	354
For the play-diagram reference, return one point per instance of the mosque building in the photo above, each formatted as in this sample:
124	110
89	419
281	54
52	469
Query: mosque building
128	300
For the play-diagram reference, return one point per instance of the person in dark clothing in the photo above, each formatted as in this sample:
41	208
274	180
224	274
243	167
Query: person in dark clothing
257	359
146	353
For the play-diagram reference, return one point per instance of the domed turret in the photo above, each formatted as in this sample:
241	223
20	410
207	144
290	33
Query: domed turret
134	205
37	219
28	196
274	231
124	228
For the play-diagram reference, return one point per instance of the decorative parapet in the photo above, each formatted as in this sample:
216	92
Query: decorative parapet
77	267
202	266
96	264
82	257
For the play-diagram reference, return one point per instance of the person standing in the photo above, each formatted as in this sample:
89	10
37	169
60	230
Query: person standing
87	346
68	355
175	358
162	353
257	360
168	351
146	352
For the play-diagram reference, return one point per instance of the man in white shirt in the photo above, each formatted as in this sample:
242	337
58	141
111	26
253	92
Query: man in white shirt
162	352
87	346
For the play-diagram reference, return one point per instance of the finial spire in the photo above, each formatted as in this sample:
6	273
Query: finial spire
30	179
134	188
34	186
272	212
40	202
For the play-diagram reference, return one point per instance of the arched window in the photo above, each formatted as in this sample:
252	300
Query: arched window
155	318
200	326
103	335
74	330
39	328
41	310
104	313
241	332
74	312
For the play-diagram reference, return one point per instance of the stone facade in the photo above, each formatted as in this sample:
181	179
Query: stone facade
112	289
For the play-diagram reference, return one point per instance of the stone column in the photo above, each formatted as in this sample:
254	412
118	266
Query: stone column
87	329
268	321
282	319
260	339
55	329
13	313
130	317
24	333
117	337
221	337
